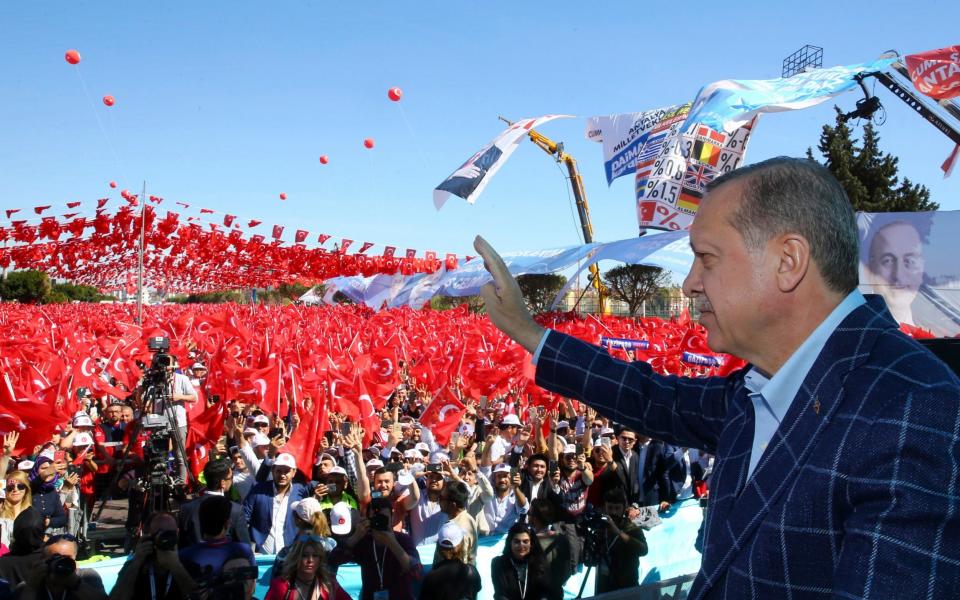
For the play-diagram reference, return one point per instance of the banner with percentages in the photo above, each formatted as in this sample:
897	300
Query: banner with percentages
624	138
671	182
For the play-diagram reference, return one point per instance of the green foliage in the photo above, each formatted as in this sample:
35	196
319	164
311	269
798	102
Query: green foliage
56	297
292	291
214	297
27	287
474	303
80	293
869	175
540	290
635	284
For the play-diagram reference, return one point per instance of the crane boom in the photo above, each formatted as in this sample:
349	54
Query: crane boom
583	209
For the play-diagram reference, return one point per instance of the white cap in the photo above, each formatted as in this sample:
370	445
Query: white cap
25	465
250	431
82	421
510	419
437	458
450	535
570	449
422	447
306	508
48	453
501	468
405	477
82	439
374	463
340	520
285	459
260	440
607	431
326	455
261	419
563	425
198	365
338	470
411	453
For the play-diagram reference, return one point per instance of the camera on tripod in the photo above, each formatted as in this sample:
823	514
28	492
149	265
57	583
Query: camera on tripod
157	373
590	527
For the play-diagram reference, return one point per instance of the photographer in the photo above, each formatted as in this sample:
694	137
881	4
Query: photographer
182	393
388	561
219	477
57	576
154	570
622	545
212	559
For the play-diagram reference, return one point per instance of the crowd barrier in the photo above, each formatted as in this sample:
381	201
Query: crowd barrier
671	555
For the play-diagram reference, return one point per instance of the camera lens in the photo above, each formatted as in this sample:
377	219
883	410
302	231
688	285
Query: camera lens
165	540
62	566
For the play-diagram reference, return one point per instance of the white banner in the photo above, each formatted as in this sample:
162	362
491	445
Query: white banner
468	181
669	187
623	137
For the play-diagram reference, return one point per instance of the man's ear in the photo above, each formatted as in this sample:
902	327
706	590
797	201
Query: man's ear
793	254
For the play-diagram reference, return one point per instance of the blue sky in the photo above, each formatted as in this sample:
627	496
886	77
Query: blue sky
224	105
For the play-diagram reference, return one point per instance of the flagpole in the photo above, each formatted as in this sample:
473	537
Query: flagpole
143	218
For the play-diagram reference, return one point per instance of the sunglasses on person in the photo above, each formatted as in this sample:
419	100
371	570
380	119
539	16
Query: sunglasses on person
16	486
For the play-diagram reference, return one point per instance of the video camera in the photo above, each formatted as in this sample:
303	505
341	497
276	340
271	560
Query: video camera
590	526
157	373
225	584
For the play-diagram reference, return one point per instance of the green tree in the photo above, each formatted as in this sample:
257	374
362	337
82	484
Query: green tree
81	293
635	284
474	303
28	287
540	290
869	175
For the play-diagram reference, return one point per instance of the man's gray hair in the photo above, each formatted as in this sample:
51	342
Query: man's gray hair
798	195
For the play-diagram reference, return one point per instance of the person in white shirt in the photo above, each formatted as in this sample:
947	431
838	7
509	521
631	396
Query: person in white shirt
508	503
503	443
182	394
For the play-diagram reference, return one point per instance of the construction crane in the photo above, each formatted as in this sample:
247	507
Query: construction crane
556	150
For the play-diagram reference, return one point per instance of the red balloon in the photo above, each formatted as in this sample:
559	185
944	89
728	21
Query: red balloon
72	56
108	100
323	159
283	196
395	94
113	184
368	143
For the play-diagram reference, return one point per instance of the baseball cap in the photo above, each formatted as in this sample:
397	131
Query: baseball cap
338	470
306	508
411	453
405	477
570	449
450	535
261	419
438	457
82	421
197	365
250	431
422	447
260	440
82	439
285	459
25	465
563	425
510	419
48	453
374	463
325	455
501	468
340	520
607	431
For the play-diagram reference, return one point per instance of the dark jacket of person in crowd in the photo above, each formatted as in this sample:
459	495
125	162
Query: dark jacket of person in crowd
620	566
45	497
525	579
451	580
27	546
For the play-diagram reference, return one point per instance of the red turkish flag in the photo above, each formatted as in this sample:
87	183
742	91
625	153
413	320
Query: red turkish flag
73	204
443	415
102	202
936	73
388	251
366	246
411	253
451	262
35	421
344	244
277	232
228	220
40	209
301	236
253	223
11	211
206	211
322	238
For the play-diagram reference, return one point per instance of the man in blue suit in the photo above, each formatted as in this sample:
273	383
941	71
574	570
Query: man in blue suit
838	446
268	507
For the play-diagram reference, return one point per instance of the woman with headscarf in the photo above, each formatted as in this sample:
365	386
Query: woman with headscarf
26	548
17	498
46	499
305	575
519	573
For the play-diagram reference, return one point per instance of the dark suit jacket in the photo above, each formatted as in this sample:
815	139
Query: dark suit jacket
545	490
258	512
856	494
190	523
654	486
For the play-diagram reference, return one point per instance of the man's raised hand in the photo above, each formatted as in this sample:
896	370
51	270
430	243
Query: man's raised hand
504	301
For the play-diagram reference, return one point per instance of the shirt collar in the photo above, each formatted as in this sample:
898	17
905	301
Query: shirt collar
779	390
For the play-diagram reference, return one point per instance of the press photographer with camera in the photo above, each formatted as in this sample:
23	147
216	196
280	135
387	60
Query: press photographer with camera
224	568
621	544
163	372
389	561
154	570
56	575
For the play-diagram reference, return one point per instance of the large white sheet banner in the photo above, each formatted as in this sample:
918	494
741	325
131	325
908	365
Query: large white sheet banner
623	137
911	260
472	177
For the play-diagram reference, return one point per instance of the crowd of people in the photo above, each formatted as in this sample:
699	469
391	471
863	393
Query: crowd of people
543	478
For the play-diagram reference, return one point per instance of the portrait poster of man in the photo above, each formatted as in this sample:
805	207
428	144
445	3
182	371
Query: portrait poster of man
910	260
